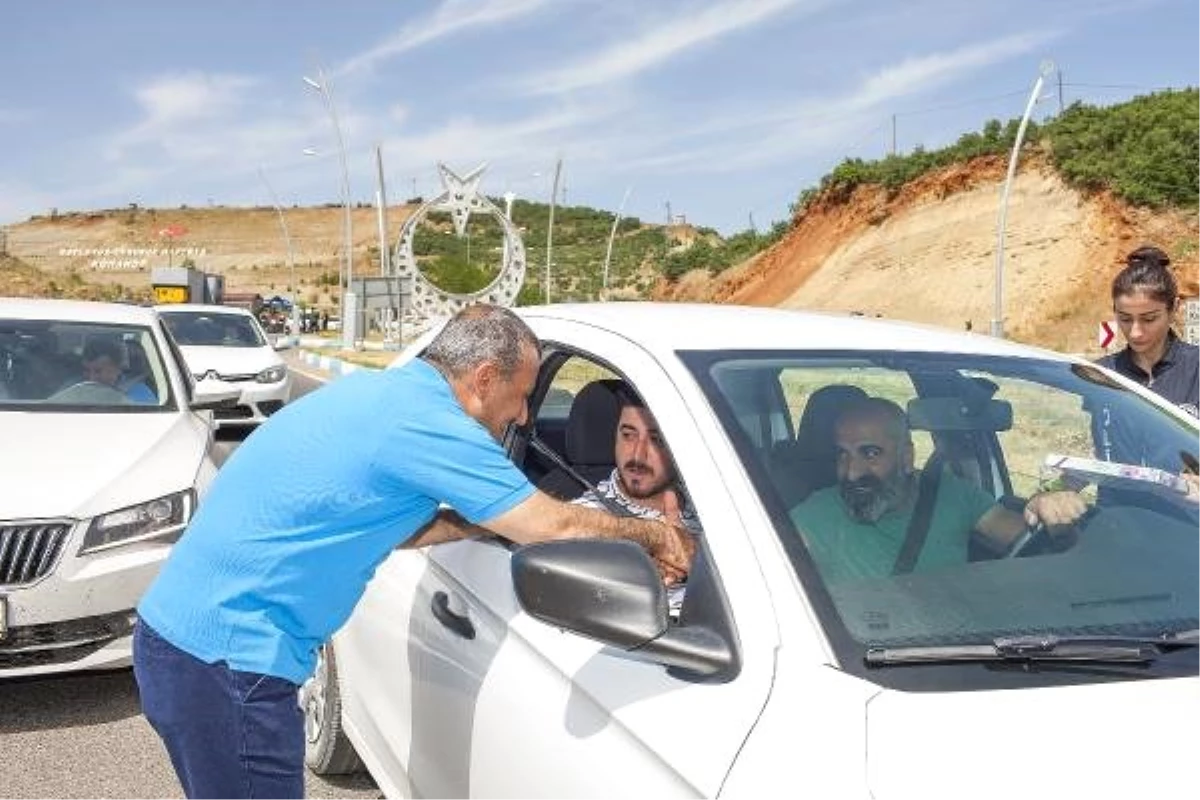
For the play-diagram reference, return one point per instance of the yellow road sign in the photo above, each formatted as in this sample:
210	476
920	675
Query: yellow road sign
170	294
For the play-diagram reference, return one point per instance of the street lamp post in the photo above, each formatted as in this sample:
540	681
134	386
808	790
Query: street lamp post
550	226
349	326
611	236
1047	67
291	260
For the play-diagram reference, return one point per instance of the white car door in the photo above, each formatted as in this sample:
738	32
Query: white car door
504	705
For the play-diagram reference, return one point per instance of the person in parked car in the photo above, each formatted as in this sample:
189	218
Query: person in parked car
274	560
644	482
859	527
102	364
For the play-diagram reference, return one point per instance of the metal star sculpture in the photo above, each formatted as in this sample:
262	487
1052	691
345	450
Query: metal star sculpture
461	195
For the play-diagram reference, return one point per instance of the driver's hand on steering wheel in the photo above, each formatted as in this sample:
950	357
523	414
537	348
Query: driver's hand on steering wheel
1055	510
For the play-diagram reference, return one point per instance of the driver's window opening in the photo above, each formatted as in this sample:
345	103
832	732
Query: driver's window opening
596	442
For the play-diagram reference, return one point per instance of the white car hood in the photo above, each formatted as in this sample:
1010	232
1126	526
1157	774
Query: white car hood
229	361
79	465
1099	740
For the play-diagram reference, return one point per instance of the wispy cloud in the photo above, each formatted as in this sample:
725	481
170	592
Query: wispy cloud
819	123
451	17
924	72
658	44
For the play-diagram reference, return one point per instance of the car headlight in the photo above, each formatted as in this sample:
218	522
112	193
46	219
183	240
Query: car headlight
155	518
272	374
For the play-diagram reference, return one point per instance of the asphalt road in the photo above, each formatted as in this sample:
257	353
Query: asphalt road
83	735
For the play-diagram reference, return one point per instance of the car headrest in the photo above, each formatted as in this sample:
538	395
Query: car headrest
592	424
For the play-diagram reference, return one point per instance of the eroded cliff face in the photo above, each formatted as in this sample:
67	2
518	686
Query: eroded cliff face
928	253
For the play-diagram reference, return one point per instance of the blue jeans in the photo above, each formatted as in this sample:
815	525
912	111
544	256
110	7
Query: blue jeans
228	733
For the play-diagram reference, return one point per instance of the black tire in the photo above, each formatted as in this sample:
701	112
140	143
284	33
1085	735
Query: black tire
327	751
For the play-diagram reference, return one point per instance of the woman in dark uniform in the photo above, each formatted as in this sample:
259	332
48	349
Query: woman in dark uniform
1144	297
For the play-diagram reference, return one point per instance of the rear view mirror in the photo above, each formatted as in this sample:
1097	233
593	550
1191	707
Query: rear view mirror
959	414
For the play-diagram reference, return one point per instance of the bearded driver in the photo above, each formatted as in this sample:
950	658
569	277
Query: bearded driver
856	528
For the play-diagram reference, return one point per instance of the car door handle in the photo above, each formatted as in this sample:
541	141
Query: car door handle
460	624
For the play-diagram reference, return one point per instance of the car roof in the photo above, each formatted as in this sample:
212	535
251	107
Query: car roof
75	310
666	327
206	308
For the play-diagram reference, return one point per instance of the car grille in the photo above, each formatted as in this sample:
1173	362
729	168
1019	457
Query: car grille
29	550
228	378
233	412
61	642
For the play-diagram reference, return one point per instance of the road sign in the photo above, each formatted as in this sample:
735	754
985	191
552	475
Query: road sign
1107	333
1191	311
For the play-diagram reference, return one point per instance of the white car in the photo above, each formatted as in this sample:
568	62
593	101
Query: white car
1065	668
103	465
228	342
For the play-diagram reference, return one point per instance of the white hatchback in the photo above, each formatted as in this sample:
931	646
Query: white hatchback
106	443
1066	667
228	343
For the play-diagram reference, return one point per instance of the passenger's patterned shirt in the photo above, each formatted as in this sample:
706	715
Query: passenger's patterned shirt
610	489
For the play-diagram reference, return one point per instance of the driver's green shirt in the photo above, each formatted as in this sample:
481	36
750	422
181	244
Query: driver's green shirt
846	549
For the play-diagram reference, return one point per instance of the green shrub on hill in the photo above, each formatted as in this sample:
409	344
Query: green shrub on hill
1146	150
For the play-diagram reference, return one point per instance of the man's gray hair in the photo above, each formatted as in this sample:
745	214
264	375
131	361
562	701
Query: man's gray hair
479	333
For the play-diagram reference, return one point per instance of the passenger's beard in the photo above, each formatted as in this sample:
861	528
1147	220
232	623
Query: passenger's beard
869	498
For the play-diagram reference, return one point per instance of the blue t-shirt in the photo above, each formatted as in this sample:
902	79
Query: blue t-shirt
139	392
312	502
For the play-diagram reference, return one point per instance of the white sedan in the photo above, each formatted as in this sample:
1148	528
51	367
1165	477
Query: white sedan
1066	666
228	343
105	441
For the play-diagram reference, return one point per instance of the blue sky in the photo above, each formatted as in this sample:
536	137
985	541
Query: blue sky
724	110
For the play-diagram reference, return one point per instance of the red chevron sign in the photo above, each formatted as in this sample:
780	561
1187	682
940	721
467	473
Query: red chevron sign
1106	334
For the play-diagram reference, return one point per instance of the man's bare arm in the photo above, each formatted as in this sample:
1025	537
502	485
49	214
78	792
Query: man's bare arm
541	518
447	526
1001	527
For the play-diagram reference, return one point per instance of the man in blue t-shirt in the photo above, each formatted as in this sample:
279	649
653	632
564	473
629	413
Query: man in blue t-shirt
276	559
857	528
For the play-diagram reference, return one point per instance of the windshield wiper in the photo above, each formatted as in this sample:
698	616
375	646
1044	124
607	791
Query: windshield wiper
1044	647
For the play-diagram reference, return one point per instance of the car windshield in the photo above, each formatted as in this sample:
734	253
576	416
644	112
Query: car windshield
213	329
68	365
844	496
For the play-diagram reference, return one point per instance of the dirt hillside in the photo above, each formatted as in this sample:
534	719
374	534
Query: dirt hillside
118	248
927	253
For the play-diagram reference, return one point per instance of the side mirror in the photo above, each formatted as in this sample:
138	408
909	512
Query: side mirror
610	591
214	393
283	342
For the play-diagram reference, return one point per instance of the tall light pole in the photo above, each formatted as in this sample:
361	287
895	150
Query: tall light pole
550	226
1046	68
349	324
291	260
612	234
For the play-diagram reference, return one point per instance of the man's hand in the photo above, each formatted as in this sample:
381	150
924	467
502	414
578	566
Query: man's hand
672	553
1054	509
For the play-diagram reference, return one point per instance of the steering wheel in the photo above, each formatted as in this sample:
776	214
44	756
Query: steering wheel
89	392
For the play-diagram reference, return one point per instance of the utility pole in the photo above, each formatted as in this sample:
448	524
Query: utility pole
893	134
413	196
1060	93
384	254
550	226
753	230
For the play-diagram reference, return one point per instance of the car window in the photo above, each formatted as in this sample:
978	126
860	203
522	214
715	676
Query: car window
1002	429
67	365
213	329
